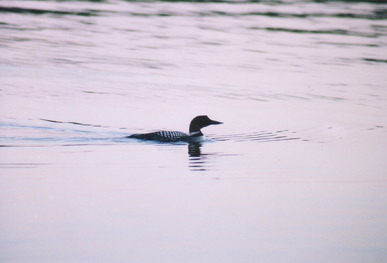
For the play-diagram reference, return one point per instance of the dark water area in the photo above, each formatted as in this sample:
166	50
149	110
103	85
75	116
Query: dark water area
296	172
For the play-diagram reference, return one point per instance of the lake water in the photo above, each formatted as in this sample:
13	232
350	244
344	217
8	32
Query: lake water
297	172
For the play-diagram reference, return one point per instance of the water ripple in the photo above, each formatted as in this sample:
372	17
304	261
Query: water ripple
261	136
376	14
20	10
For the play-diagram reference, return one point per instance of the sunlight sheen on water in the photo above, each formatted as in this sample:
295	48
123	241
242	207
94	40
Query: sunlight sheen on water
296	173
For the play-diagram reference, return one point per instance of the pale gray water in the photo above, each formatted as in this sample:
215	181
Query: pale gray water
297	172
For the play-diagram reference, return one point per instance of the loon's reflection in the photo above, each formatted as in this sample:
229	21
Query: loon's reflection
197	160
194	149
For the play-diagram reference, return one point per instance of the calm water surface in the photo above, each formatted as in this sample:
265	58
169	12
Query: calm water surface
297	172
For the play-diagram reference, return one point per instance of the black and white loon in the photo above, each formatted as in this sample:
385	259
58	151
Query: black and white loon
195	134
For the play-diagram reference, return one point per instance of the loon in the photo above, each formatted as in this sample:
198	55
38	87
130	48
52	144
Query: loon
195	134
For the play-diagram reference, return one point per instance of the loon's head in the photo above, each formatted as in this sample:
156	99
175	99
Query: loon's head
200	122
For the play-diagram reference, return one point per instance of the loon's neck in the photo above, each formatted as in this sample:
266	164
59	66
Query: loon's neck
194	130
195	133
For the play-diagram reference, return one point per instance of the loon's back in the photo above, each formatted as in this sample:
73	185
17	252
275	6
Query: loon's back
163	136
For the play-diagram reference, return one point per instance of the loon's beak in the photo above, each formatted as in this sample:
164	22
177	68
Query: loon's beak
216	122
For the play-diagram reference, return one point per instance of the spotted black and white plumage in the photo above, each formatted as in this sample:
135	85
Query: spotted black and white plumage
195	133
163	136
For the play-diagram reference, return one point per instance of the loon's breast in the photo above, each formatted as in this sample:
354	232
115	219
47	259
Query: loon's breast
197	138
